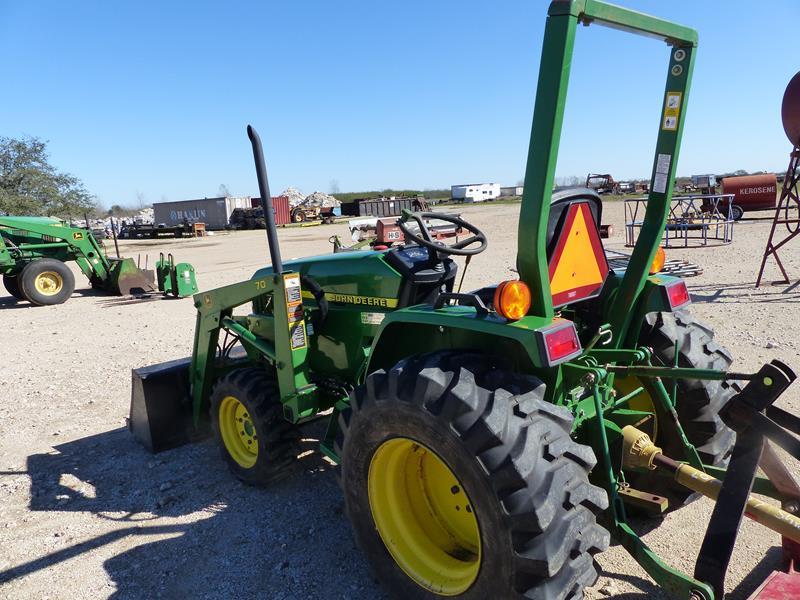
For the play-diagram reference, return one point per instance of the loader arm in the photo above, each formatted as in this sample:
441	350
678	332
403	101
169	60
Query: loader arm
77	244
286	352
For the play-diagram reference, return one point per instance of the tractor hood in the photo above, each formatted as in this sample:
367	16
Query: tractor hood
349	277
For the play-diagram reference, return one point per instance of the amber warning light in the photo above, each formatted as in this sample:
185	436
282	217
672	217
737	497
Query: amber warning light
658	261
512	300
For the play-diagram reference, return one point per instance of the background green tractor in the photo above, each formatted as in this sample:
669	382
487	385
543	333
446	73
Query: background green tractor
480	436
33	253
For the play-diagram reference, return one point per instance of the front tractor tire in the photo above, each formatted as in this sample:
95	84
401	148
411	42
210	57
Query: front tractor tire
46	281
460	480
258	445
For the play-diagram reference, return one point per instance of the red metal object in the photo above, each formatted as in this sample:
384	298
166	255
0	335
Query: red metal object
790	198
752	192
790	110
280	204
779	586
388	232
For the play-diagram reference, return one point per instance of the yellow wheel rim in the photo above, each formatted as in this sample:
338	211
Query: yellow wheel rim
238	432
48	283
424	516
641	401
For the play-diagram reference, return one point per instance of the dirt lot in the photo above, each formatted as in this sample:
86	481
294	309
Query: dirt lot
85	512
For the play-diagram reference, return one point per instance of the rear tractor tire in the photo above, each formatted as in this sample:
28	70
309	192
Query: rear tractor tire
698	403
460	480
46	281
258	445
11	283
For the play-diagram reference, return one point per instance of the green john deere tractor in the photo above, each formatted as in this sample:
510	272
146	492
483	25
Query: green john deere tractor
489	442
33	256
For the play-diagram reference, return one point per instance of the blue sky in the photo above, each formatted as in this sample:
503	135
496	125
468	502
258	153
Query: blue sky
152	99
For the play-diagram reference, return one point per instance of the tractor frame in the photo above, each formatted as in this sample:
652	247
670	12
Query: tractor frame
277	335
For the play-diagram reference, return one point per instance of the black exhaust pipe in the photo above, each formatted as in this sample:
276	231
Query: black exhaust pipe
266	201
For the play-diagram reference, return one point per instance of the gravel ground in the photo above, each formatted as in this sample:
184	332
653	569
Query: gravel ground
85	512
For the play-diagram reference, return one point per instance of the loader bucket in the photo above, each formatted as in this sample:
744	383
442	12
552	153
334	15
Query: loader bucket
125	278
161	406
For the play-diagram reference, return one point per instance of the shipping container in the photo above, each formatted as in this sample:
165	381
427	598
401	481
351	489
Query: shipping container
253	218
214	212
751	192
280	206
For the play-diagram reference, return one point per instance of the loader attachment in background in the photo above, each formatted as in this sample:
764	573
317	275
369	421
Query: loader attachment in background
125	278
175	279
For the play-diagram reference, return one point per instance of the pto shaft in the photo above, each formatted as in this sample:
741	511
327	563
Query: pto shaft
640	451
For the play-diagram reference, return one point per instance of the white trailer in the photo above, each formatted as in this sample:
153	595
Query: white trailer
475	192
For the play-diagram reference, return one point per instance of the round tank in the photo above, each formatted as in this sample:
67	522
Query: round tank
752	192
790	110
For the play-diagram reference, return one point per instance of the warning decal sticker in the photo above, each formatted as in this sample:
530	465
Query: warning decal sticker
292	283
371	318
294	311
662	173
672	110
297	333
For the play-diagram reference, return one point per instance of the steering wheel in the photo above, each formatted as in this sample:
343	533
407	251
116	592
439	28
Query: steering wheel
460	248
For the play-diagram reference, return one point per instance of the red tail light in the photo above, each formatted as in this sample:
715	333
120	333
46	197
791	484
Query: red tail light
677	294
559	342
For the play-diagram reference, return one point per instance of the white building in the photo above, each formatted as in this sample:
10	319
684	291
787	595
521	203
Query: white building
475	192
514	190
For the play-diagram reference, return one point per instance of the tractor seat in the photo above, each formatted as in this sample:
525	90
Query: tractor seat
560	202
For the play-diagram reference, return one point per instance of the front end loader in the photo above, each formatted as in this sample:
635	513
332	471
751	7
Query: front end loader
491	443
34	250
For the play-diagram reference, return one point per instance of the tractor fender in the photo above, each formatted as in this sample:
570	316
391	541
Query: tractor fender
652	299
420	329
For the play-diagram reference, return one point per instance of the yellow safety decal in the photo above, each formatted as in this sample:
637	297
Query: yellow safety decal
297	335
294	311
672	110
578	267
359	300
